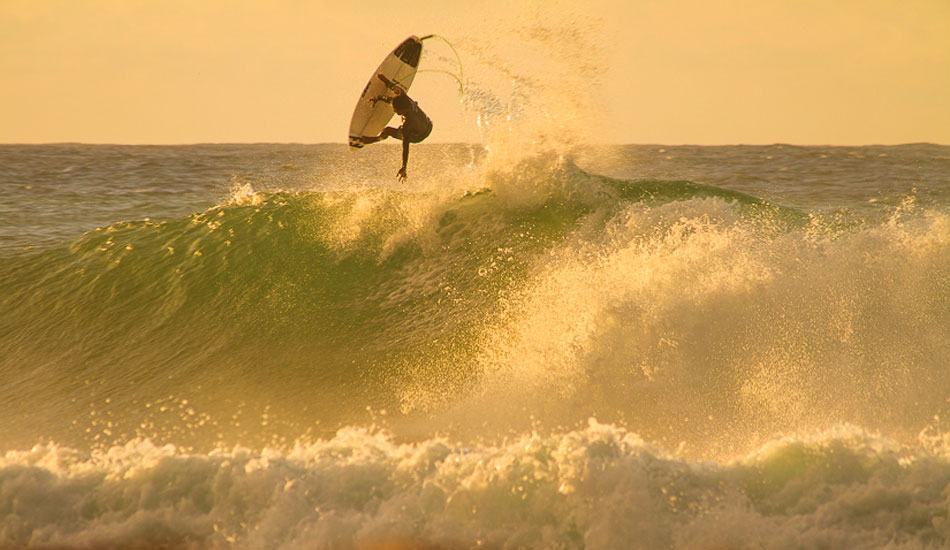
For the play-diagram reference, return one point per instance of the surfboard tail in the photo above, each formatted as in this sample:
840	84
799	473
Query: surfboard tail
409	51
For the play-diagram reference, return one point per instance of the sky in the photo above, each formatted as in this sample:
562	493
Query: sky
846	72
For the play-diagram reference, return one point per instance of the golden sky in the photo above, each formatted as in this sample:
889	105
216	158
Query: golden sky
655	71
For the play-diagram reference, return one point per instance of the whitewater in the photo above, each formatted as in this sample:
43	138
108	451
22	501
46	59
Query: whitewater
639	346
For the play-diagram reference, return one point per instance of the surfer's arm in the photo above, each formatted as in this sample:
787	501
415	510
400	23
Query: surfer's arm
391	85
405	159
384	99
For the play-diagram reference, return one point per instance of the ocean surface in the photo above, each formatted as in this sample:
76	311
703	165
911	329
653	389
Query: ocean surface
282	346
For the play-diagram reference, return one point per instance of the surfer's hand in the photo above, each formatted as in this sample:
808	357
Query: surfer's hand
401	174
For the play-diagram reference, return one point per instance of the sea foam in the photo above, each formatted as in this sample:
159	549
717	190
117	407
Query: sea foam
600	487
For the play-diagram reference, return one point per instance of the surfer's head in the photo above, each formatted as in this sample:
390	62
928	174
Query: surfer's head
401	104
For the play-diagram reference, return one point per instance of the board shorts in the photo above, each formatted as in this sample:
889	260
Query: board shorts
413	137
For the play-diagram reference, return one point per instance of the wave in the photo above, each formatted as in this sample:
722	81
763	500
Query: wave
701	316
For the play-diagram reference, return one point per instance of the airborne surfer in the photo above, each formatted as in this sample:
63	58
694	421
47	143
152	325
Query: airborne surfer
415	127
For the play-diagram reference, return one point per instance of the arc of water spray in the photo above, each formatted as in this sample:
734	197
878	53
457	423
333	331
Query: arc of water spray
459	77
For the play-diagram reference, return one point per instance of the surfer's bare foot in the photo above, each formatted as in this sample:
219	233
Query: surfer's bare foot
401	174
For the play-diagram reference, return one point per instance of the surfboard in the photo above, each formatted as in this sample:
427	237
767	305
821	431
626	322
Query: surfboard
400	67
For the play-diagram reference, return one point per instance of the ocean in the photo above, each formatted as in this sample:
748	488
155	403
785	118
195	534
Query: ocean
620	347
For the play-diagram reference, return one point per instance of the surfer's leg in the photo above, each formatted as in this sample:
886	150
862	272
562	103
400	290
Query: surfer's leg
387	132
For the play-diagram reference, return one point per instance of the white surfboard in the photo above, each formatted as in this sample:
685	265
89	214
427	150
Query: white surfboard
400	66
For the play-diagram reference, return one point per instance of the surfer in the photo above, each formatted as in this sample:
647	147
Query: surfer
416	126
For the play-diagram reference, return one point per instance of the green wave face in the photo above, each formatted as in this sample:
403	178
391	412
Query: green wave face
323	302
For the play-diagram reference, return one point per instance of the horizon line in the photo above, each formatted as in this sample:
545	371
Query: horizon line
460	143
